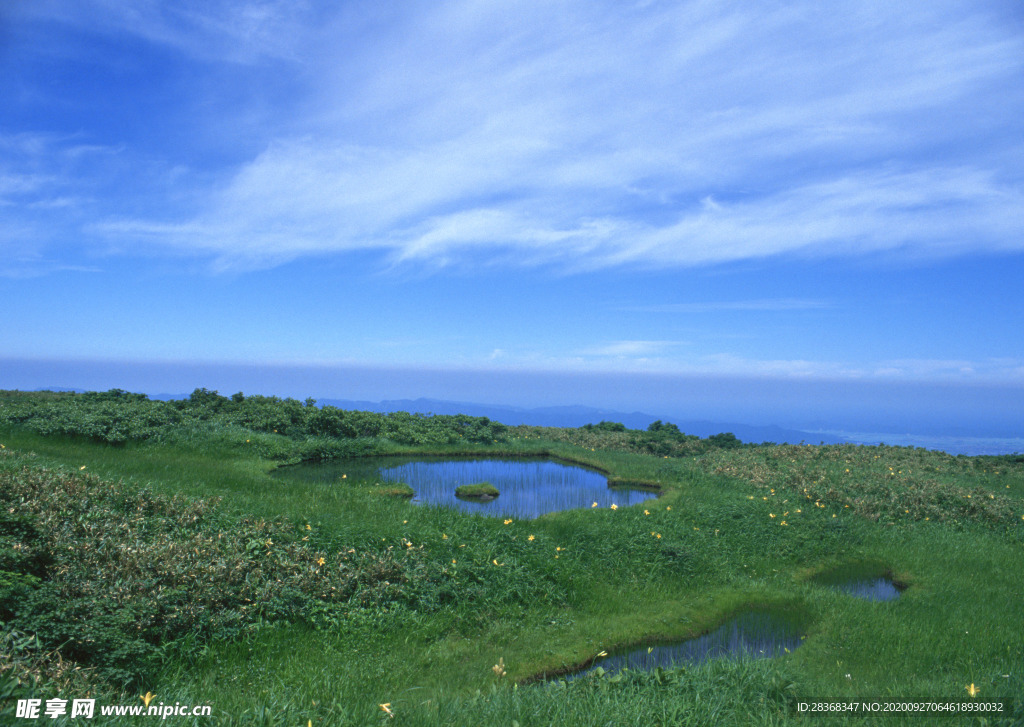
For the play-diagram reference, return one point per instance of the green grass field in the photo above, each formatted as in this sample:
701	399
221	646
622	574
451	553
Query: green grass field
153	549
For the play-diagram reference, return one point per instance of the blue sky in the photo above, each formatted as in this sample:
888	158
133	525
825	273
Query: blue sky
784	192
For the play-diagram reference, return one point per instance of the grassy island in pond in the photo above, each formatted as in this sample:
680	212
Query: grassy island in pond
477	491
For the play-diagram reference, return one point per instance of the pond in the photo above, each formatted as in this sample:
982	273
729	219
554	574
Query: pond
754	634
870	581
528	487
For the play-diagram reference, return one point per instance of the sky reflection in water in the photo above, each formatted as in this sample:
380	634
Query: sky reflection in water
757	635
878	589
528	488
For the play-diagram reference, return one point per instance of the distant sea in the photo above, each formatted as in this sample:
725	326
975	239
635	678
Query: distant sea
952	445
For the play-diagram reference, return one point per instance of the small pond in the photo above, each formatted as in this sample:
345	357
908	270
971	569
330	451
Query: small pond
754	634
528	487
869	581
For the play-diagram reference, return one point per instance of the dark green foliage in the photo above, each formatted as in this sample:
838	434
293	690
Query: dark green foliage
604	426
15	588
724	440
666	427
117	417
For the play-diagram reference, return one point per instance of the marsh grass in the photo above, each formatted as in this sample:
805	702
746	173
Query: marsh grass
477	489
548	594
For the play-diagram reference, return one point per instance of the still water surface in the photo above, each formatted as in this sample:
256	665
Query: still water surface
529	487
878	589
869	581
755	634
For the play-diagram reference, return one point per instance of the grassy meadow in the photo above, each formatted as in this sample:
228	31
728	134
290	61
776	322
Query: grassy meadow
166	548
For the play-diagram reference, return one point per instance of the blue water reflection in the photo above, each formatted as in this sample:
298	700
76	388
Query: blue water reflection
528	488
757	635
878	589
868	580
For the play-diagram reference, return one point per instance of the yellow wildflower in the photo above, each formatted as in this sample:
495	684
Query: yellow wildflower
530	538
594	505
320	560
647	512
386	707
973	690
614	506
508	522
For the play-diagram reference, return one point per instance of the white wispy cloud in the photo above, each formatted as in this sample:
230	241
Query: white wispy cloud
239	31
594	135
631	349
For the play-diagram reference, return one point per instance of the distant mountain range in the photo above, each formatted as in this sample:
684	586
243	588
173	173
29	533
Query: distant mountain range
577	416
